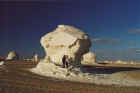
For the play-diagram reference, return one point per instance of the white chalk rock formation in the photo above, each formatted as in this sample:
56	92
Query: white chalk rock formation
1	63
89	58
65	40
36	58
12	56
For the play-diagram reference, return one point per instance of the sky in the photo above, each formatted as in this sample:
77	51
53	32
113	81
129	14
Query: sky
113	25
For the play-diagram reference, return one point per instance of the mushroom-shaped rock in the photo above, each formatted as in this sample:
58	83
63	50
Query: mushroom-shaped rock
65	40
89	58
12	56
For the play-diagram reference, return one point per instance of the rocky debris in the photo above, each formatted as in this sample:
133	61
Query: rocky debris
89	58
65	40
12	56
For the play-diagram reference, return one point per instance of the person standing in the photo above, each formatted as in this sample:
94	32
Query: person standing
67	61
64	61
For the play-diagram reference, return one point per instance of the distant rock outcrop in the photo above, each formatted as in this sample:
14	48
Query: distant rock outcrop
65	40
12	56
89	58
36	58
1	63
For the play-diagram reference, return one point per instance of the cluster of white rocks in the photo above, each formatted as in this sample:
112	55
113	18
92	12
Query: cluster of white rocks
12	56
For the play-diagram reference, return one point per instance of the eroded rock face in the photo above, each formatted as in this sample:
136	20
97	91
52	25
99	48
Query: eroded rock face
65	40
12	56
89	58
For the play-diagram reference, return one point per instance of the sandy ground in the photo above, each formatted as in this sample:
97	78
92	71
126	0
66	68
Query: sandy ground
86	75
15	78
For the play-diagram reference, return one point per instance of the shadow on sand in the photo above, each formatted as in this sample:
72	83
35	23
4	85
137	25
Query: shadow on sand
107	69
